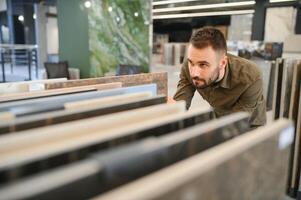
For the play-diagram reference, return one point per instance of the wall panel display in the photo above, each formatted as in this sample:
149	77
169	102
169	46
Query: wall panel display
118	34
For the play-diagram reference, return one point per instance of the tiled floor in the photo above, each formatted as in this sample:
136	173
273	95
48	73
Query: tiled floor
20	73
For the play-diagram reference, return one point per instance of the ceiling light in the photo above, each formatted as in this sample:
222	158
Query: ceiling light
208	6
202	14
171	1
110	9
87	4
278	1
21	18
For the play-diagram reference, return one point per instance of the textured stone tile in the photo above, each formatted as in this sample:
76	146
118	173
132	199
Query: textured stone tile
128	80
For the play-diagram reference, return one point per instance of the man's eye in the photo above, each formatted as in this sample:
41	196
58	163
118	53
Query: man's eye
202	65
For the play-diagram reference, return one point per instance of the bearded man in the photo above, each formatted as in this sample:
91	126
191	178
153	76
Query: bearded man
227	82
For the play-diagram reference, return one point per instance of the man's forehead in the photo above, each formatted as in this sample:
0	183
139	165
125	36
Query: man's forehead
199	54
204	54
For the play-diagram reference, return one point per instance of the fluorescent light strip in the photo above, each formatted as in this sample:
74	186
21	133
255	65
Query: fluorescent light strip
171	1
234	12
279	1
198	7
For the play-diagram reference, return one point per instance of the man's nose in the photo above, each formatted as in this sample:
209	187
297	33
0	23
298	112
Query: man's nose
195	72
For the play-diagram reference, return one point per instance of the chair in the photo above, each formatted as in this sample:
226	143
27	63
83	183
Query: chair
128	69
60	70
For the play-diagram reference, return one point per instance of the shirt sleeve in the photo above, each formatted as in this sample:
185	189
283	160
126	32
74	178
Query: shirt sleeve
185	89
252	101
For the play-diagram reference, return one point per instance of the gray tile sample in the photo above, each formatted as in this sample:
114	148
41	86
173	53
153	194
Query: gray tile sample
272	83
168	54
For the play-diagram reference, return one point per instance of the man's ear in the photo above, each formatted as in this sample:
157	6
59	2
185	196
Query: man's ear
223	62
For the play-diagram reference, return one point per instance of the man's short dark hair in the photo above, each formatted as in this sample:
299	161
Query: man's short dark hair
205	37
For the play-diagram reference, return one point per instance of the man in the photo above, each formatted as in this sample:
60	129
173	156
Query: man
229	83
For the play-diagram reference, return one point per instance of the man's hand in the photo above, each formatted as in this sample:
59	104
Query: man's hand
170	100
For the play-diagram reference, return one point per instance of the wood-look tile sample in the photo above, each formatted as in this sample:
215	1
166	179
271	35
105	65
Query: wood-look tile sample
62	116
29	107
55	92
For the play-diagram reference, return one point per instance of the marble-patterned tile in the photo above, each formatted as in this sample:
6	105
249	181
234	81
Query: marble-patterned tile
279	18
118	34
240	27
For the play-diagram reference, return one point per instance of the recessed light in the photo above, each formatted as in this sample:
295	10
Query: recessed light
87	4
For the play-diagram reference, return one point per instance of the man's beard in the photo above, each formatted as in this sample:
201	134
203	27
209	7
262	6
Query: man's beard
212	80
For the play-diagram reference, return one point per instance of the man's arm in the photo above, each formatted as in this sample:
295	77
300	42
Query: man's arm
253	102
185	89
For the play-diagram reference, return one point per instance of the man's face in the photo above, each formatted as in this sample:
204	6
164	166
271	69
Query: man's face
204	65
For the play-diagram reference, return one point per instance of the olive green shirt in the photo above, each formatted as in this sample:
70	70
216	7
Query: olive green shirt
240	90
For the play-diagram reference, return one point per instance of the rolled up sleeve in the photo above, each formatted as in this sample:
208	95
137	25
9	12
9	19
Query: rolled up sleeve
185	89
